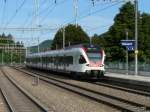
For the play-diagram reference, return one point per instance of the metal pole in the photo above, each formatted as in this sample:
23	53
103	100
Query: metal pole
38	45
2	56
37	23
75	10
37	20
63	37
56	46
20	54
127	60
90	40
11	57
136	37
69	43
26	51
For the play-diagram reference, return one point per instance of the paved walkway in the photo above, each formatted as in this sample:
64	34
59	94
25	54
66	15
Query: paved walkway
130	77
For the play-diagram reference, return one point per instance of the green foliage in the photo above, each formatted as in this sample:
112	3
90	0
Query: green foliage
6	56
73	35
43	46
98	41
125	21
144	40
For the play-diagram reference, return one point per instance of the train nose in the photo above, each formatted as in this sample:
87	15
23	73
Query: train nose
88	72
95	72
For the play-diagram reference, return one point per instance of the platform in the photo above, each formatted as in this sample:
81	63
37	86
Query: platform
135	79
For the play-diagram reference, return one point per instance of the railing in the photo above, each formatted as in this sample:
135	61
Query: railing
121	67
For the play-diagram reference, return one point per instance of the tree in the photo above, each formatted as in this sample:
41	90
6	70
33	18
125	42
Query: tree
3	35
73	35
110	40
100	41
7	53
125	21
10	36
144	40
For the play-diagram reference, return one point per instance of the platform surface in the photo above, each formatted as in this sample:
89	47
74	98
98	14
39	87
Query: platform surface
128	77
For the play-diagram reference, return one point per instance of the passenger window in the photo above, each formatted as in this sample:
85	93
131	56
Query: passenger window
82	60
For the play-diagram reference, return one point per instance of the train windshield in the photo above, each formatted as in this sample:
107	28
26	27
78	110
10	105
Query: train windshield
93	52
94	56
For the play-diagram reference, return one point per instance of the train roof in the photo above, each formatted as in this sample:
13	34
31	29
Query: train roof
73	47
83	46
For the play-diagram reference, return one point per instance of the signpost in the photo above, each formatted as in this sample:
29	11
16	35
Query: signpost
129	44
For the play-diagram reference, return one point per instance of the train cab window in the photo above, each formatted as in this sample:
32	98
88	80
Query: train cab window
82	60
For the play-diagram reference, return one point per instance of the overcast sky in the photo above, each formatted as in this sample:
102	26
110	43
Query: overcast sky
95	18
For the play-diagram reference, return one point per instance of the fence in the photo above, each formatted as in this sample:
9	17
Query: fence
121	67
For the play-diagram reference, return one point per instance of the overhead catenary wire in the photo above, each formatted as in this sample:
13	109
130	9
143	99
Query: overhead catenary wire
47	8
94	12
96	5
49	28
99	10
50	5
3	12
96	28
81	17
51	10
91	13
14	15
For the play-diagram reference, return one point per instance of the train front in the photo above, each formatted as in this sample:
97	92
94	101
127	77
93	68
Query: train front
95	58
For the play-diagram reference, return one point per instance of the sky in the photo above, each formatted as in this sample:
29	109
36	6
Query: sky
17	17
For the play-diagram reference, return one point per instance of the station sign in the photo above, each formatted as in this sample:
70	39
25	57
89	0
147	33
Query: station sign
129	44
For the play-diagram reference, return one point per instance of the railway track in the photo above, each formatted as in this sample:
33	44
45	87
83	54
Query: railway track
17	98
109	85
136	89
138	86
4	105
116	102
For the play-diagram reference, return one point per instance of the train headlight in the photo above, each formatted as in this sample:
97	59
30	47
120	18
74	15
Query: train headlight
101	65
88	71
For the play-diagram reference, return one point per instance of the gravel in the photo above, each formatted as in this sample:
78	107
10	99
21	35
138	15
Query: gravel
3	106
57	99
145	100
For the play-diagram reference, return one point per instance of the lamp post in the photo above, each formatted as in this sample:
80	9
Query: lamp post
75	11
2	57
136	36
63	37
127	57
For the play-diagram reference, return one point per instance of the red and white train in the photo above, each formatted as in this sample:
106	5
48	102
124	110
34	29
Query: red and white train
80	60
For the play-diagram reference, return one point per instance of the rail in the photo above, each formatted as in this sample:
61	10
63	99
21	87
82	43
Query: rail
11	109
27	94
119	103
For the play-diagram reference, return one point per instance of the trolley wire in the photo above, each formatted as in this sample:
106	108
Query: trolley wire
51	10
3	12
14	15
94	12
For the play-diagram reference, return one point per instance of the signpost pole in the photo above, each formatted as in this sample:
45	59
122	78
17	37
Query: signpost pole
136	37
127	60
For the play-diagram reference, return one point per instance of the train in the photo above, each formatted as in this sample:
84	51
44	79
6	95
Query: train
83	60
